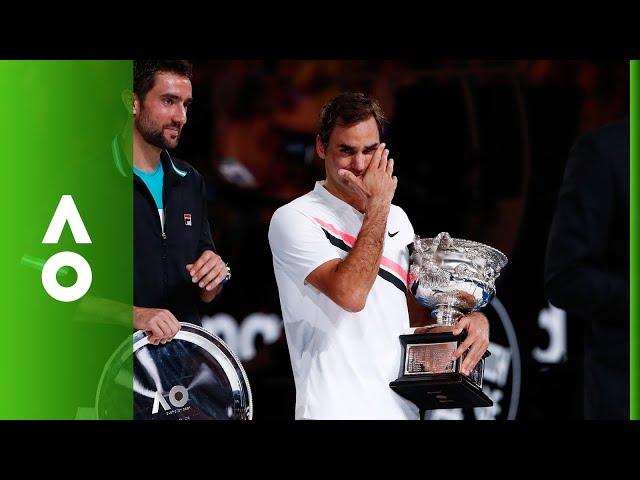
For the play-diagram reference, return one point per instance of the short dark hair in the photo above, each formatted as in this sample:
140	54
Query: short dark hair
144	72
348	108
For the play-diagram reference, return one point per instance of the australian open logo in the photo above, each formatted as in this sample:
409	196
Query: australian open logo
177	398
502	372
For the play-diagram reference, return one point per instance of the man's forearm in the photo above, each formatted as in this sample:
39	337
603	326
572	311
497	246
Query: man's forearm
419	316
357	272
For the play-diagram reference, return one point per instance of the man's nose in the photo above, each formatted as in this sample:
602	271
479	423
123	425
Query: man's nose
360	161
180	115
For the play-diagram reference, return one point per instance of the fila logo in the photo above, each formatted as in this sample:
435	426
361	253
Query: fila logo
187	219
159	399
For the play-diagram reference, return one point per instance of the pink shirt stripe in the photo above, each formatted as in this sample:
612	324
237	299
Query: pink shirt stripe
351	240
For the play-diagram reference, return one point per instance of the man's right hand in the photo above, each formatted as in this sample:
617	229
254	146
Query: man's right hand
159	325
348	281
378	185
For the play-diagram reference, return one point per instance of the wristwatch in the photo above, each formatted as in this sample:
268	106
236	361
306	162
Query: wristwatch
228	277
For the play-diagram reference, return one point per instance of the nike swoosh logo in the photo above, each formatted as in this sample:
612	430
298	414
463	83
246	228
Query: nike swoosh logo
393	234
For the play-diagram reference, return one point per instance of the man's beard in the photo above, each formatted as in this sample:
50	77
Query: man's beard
153	136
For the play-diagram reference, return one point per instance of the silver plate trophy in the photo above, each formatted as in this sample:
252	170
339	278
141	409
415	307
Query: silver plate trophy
452	277
195	376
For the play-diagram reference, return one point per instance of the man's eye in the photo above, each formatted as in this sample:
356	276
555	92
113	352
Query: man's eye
168	101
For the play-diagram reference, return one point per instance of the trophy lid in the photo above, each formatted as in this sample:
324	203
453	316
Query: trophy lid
195	376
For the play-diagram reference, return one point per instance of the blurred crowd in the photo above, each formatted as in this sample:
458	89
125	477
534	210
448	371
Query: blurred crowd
461	132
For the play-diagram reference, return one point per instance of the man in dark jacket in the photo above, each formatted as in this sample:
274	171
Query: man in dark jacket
175	260
587	268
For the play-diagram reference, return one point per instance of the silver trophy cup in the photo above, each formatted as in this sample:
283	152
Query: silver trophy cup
452	278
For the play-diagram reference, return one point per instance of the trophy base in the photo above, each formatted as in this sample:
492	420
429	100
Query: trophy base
431	380
441	390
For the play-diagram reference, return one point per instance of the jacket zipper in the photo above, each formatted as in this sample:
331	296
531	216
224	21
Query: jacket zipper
165	253
162	223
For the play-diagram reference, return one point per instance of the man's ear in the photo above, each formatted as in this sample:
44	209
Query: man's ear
320	148
130	102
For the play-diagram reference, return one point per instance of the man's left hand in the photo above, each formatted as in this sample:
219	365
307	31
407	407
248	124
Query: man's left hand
477	341
208	272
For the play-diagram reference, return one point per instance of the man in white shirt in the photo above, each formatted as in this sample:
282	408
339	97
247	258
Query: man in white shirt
340	258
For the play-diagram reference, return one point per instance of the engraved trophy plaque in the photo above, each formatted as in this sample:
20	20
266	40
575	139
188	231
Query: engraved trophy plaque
452	277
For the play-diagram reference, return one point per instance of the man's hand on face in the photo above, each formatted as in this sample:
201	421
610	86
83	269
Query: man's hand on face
208	272
477	341
377	185
159	325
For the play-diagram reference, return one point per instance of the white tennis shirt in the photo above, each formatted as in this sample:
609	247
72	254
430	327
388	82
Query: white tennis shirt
342	362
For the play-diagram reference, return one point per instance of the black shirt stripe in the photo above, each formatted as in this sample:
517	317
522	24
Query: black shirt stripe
388	276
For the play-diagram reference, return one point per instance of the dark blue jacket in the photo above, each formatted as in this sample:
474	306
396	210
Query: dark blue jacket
161	279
